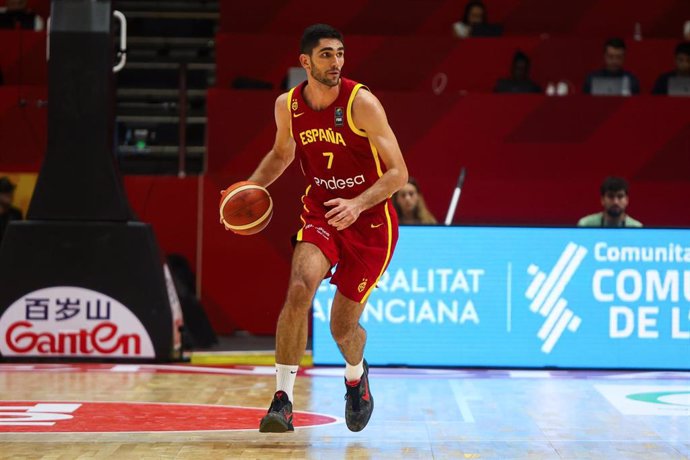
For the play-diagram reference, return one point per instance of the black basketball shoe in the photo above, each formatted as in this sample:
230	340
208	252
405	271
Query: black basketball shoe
279	416
359	404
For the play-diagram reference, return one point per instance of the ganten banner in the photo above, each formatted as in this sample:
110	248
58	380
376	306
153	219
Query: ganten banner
526	297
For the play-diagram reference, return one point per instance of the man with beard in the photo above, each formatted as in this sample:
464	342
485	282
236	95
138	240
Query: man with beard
352	164
614	58
614	200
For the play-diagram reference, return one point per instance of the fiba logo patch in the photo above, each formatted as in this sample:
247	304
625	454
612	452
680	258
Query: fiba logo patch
339	119
362	286
545	293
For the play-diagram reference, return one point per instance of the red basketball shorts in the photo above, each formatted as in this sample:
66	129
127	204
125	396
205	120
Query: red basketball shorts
361	252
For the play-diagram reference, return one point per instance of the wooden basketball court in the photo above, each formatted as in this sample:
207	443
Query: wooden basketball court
63	411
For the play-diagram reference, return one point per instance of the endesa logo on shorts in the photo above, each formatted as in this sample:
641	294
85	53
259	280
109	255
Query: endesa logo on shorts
339	184
72	321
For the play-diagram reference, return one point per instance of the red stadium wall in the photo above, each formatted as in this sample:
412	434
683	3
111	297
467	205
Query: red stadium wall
23	57
171	206
583	18
473	65
531	160
517	140
40	7
23	127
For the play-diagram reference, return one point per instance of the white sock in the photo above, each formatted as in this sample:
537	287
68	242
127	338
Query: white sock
285	379
354	373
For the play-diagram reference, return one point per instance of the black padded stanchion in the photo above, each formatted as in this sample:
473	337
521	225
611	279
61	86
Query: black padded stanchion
80	278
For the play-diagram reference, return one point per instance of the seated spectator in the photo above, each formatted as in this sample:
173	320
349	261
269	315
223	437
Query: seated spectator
519	81
614	58
474	22
682	69
614	200
7	211
410	206
16	14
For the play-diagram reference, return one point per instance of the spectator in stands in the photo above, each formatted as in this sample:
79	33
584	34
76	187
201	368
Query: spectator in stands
614	58
519	80
410	206
16	14
474	22
7	211
682	69
614	200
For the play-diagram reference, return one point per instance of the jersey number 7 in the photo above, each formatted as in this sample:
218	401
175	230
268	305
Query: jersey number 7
330	159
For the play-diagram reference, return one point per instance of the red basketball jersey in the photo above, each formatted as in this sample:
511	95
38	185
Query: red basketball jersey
336	157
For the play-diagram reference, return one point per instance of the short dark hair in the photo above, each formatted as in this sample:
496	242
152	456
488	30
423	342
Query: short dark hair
613	184
472	4
520	56
314	33
615	42
683	48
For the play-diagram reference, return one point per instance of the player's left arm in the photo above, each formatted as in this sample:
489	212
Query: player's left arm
368	115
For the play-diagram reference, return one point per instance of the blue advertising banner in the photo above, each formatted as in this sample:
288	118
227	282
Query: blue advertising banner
526	297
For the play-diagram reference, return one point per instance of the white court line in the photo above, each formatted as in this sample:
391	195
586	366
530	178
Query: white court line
461	399
125	368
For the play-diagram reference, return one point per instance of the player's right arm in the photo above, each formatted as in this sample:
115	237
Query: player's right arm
283	152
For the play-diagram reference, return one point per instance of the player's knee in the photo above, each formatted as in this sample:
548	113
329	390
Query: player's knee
342	331
300	293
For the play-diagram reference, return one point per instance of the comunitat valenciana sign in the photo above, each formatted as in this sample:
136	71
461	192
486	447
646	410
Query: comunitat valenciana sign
526	297
72	321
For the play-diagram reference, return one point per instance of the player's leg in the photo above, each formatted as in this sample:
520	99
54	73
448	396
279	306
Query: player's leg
309	266
366	249
351	339
348	334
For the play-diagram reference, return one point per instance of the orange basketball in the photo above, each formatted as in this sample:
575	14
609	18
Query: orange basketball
245	208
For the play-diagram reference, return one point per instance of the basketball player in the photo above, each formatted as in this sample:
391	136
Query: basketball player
352	164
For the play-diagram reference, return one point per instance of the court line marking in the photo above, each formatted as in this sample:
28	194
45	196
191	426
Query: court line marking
336	420
461	399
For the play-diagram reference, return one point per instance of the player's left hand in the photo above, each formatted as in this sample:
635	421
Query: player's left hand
344	213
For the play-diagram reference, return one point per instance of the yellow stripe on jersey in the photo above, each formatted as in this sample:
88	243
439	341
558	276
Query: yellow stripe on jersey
388	253
376	158
301	230
306	192
358	131
289	100
351	122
